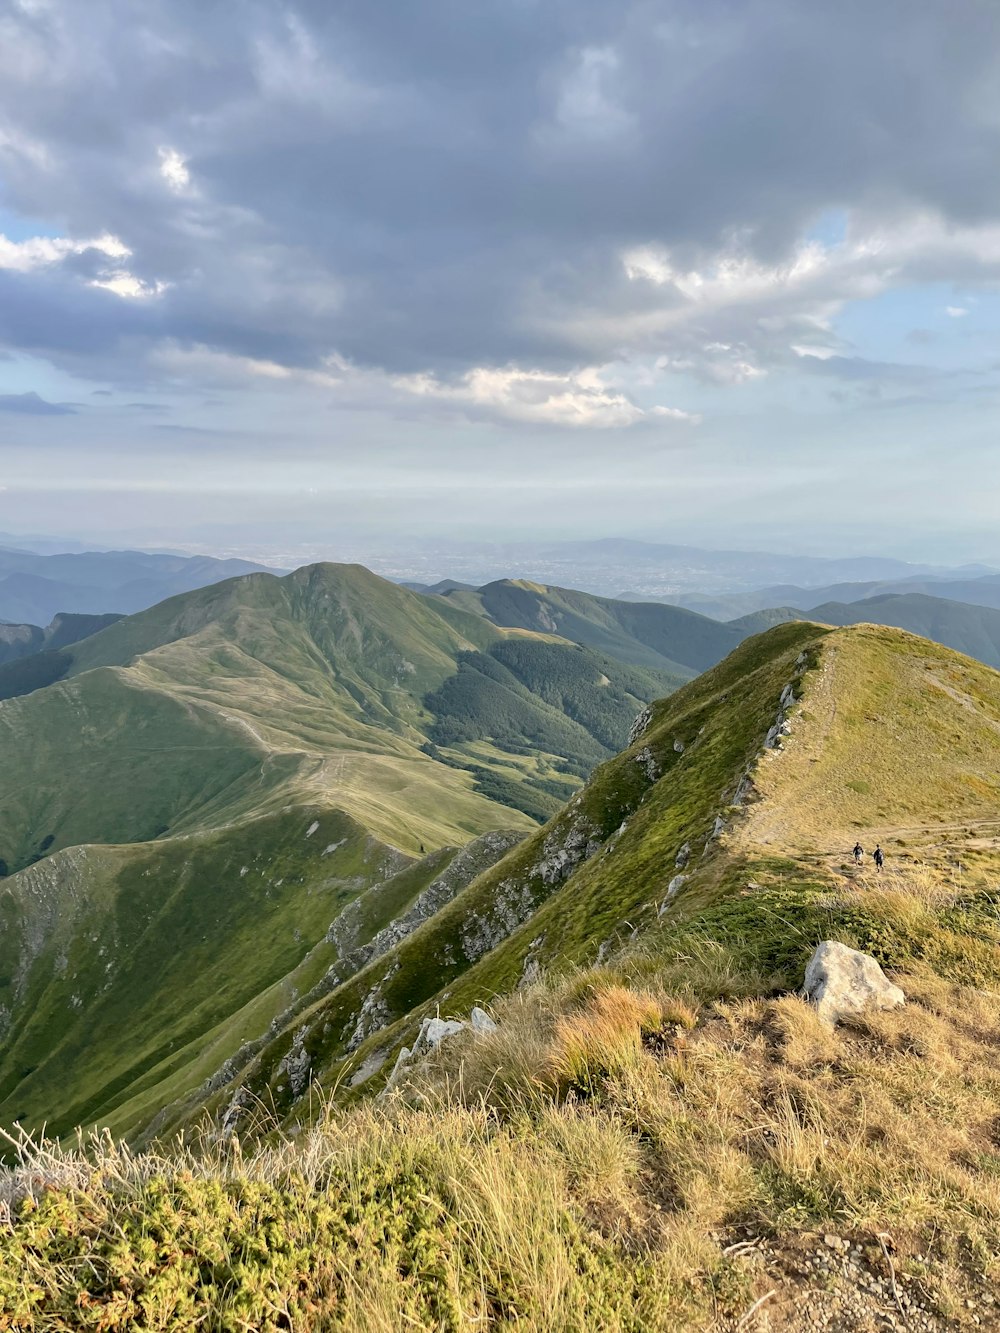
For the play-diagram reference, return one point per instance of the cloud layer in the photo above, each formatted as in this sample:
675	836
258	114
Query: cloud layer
501	206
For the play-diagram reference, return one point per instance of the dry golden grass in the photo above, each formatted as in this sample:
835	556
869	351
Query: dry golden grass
634	1141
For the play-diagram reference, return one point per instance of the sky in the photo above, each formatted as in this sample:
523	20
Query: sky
721	272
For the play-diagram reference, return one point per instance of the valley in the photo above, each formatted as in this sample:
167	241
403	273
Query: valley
297	820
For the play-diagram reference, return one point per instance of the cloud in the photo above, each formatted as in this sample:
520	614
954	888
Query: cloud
31	405
955	311
480	212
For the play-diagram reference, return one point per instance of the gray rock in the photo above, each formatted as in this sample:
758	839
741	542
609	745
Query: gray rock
683	856
481	1022
679	746
639	726
842	982
433	1031
648	763
673	888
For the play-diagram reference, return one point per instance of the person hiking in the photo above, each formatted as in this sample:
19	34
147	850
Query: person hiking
878	856
859	853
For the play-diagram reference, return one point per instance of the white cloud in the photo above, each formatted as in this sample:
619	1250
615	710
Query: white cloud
173	169
40	252
578	399
44	251
955	311
818	352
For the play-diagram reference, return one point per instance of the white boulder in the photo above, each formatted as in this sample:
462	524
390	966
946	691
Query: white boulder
842	982
481	1022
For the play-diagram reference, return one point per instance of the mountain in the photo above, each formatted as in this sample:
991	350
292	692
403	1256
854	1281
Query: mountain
983	590
18	641
646	634
211	782
660	1133
758	621
663	840
35	587
649	570
974	630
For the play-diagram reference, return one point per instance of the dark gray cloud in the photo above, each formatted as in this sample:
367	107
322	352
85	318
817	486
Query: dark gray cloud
437	188
31	405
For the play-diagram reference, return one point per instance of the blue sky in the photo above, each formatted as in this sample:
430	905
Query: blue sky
723	274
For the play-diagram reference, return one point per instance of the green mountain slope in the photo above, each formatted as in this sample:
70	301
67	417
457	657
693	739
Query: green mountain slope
661	1133
725	787
649	634
218	776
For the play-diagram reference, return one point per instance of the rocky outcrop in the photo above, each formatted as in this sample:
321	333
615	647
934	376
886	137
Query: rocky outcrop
463	868
649	764
433	1031
842	983
639	726
565	848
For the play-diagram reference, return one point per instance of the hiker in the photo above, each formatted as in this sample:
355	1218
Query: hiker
878	857
859	853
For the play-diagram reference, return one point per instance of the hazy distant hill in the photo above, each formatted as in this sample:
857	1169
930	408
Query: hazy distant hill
974	630
34	588
646	571
19	641
981	591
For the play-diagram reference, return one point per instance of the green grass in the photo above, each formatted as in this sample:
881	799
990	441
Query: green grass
596	1160
643	634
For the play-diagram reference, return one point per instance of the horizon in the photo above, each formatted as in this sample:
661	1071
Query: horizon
347	280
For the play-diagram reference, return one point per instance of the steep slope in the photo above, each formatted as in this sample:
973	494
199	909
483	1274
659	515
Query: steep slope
661	1133
755	622
242	761
649	634
760	773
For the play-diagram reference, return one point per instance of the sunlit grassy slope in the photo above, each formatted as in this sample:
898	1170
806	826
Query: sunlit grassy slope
889	737
186	811
661	1135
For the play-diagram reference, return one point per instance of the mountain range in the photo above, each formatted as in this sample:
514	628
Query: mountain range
262	839
34	588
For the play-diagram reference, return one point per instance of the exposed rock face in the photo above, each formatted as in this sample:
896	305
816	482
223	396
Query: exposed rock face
683	856
673	888
463	868
648	763
639	726
781	725
564	849
842	982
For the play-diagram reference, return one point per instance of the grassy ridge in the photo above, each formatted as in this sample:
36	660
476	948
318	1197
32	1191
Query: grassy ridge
672	794
645	634
668	1139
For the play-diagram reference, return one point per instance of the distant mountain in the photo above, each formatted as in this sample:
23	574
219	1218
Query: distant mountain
758	621
973	630
35	587
980	591
647	634
19	641
649	570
